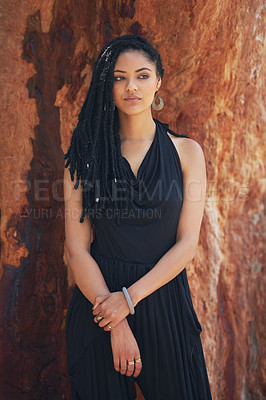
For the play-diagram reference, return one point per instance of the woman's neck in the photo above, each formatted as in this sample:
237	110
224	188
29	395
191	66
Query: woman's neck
136	127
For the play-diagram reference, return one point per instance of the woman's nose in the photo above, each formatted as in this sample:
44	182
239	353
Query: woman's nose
131	85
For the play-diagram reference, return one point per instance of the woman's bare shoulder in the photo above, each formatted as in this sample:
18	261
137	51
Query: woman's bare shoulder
189	150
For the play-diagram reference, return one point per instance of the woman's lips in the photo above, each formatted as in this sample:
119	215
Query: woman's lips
133	99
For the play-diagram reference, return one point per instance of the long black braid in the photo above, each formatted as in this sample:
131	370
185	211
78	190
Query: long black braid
95	148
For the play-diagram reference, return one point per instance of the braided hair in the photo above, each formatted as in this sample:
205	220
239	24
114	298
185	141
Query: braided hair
95	147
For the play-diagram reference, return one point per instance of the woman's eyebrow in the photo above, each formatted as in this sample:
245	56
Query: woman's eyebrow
138	70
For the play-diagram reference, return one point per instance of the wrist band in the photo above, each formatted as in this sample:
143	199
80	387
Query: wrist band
129	301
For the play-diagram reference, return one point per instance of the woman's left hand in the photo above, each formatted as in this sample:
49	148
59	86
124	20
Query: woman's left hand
113	307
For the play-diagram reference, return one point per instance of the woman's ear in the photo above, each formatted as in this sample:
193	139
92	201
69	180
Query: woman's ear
159	82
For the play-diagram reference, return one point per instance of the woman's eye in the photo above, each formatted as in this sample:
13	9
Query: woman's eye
144	76
118	78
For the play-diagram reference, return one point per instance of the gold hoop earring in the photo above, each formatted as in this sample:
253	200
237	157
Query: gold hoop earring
159	106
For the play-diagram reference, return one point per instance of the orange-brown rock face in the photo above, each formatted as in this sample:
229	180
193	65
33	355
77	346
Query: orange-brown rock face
214	90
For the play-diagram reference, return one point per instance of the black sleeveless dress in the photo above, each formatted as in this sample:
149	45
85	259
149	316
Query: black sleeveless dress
165	324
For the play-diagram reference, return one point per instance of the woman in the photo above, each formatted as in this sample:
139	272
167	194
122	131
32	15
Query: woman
132	225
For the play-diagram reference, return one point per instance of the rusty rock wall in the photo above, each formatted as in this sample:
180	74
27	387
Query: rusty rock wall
214	90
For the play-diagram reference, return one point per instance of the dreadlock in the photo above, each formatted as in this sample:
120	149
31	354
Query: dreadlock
95	147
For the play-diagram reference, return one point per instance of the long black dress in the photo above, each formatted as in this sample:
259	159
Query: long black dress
165	324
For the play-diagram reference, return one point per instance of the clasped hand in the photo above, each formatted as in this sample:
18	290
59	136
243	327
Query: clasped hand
126	355
113	307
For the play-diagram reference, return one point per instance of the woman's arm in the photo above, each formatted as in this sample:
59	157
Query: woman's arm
187	236
89	278
86	272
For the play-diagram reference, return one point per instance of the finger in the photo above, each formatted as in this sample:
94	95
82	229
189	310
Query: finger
107	326
123	366
130	368
97	318
99	300
97	308
138	367
104	323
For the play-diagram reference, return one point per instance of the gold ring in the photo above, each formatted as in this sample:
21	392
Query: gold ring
130	362
110	327
99	317
137	359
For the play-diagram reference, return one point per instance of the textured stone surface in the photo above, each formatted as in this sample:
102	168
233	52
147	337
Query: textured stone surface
214	90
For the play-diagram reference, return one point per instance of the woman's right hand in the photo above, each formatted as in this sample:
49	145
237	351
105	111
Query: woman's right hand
125	348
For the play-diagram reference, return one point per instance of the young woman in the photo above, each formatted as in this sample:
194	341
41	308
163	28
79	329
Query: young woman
132	224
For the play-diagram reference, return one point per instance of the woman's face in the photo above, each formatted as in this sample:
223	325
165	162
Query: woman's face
135	82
